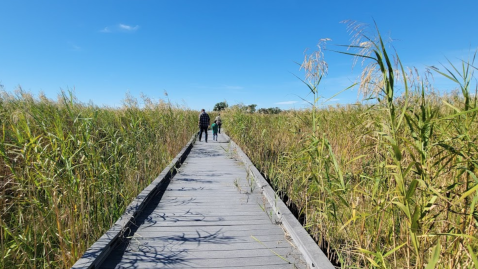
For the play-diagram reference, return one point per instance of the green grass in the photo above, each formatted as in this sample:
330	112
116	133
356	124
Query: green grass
68	171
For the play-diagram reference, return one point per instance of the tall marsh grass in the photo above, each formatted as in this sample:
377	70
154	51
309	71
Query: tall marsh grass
68	170
388	184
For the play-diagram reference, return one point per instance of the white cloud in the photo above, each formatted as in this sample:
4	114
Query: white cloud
105	30
128	27
119	28
286	103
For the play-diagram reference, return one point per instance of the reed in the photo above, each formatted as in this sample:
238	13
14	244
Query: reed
388	184
68	170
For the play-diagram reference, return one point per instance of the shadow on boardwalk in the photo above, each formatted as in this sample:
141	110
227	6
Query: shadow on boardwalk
205	218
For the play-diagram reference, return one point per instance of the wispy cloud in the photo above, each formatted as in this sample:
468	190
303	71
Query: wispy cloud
128	27
119	28
105	30
74	47
233	87
286	103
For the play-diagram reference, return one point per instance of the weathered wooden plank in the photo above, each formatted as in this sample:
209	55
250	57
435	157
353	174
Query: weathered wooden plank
220	219
211	247
176	260
259	229
208	232
204	212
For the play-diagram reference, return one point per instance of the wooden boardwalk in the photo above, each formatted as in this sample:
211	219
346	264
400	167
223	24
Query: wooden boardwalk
211	215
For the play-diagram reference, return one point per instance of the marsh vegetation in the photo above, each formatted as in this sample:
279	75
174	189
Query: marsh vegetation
388	183
68	170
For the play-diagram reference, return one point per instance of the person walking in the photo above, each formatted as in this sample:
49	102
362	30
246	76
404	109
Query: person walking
218	122
214	130
204	122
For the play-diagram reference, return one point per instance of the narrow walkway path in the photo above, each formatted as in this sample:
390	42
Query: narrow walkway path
211	216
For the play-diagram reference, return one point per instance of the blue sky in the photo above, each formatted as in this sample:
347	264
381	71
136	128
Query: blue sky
204	52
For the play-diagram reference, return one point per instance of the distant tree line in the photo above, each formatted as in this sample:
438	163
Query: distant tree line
247	108
220	106
270	110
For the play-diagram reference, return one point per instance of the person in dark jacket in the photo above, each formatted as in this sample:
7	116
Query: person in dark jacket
204	122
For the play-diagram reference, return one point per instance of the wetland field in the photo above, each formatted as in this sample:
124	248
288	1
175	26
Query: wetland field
387	183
